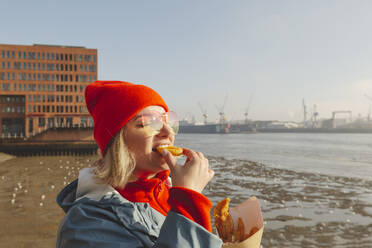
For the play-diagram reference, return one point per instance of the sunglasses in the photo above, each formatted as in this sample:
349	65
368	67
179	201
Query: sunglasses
153	121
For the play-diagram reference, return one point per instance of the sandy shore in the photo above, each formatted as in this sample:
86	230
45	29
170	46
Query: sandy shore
29	215
299	209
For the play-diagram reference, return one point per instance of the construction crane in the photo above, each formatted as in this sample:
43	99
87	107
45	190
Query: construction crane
369	109
305	111
314	117
204	112
221	111
247	109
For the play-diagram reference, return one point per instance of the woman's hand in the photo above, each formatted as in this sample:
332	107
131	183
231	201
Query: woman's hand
195	174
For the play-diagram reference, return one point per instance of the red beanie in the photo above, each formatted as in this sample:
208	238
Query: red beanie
113	103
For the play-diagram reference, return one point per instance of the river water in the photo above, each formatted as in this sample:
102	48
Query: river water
315	190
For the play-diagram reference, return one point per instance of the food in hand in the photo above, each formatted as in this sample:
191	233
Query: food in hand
174	150
223	221
225	225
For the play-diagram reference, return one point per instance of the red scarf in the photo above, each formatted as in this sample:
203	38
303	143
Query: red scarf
157	192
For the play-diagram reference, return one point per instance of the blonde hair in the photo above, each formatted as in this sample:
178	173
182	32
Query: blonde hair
118	163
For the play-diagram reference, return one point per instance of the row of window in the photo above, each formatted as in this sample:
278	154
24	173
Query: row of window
48	56
62	121
53	98
12	99
56	109
47	67
47	77
43	87
45	109
12	109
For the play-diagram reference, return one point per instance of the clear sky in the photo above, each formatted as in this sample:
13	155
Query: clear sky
273	52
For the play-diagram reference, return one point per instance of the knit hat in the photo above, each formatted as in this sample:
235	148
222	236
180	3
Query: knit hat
113	103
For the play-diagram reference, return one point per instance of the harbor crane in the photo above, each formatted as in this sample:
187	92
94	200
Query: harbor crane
369	109
221	111
204	112
305	111
247	109
314	117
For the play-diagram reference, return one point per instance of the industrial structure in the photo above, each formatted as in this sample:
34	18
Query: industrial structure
42	86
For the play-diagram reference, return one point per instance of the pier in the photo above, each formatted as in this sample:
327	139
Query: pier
51	142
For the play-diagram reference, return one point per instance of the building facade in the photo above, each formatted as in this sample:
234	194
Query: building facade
42	86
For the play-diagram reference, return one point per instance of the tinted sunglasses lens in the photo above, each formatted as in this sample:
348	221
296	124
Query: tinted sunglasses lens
152	123
172	121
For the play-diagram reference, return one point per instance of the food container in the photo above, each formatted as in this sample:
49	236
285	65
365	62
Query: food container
250	212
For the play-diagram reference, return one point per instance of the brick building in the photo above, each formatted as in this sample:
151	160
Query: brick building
42	86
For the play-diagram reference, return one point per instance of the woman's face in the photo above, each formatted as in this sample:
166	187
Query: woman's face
143	143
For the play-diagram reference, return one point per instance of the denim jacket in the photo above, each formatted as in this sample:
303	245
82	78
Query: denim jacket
98	216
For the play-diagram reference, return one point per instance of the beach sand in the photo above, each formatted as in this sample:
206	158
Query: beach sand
29	214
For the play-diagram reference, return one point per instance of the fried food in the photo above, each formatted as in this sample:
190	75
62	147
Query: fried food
223	221
174	150
225	225
240	231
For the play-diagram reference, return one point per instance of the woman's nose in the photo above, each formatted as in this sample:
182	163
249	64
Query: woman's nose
166	130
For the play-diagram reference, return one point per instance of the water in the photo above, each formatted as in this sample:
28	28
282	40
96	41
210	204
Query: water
347	155
314	189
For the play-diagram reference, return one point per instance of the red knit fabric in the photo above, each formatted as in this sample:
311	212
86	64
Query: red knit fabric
192	205
162	198
113	103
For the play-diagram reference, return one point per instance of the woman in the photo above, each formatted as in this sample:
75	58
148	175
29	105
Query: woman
127	199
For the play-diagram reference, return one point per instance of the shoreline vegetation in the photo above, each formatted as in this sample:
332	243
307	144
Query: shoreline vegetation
299	209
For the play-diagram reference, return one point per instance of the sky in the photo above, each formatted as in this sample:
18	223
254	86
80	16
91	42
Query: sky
263	57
